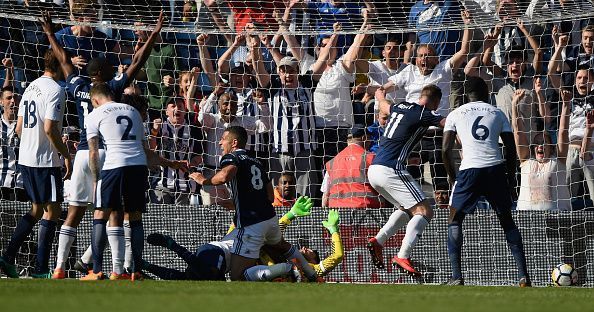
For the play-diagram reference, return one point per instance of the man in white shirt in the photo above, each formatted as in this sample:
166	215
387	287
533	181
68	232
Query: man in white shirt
39	126
478	126
122	182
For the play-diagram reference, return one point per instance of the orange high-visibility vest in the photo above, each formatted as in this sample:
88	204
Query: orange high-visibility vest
349	186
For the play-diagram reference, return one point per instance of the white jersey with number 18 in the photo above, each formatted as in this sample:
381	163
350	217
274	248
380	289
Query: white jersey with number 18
42	100
478	125
120	126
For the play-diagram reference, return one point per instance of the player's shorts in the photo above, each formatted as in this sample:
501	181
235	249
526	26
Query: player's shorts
43	184
126	185
473	183
81	182
248	240
396	186
209	264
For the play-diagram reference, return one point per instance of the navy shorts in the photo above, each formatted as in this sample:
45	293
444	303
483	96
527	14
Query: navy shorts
473	183
43	184
208	264
123	188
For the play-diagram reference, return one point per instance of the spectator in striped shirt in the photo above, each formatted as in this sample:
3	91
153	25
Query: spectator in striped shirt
176	139
11	183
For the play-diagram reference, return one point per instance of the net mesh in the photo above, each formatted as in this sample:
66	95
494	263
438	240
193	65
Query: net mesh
549	238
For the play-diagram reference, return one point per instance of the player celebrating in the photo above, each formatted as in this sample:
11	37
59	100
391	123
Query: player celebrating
78	87
39	126
388	176
252	193
482	173
121	128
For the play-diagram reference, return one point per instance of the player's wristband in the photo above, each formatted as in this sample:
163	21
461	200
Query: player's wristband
290	216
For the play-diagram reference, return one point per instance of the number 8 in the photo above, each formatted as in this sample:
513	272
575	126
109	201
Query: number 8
257	178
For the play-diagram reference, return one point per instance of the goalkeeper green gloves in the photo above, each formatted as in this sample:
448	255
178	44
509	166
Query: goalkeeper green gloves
301	208
332	223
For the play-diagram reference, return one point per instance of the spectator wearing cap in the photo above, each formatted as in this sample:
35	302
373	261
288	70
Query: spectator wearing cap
345	183
515	75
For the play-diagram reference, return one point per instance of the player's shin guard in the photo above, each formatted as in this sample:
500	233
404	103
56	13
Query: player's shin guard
47	232
414	230
292	254
267	272
455	239
514	241
65	240
128	260
137	242
98	241
22	231
115	235
397	220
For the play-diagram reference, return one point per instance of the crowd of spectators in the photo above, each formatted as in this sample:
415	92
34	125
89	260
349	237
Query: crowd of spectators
308	101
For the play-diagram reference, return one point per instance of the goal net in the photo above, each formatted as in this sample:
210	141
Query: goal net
211	49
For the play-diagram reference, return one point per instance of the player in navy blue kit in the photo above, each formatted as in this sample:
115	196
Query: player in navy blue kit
78	87
479	125
389	177
255	219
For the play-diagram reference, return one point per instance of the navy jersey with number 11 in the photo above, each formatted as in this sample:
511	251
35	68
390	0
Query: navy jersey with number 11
248	189
407	125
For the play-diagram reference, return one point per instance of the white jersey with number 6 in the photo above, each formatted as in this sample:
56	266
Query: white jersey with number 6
120	126
478	125
42	100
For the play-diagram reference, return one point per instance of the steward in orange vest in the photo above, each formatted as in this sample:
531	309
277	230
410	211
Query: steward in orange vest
345	181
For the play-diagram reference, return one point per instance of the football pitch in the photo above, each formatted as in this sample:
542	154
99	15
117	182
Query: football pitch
73	295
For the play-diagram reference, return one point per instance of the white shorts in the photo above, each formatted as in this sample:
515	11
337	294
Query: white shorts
397	186
248	240
81	192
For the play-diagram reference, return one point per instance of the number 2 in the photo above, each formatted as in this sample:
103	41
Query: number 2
126	136
257	182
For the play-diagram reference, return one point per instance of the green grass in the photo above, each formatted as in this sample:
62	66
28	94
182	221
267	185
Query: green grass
106	296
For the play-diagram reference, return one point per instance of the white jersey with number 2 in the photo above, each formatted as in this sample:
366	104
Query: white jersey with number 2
120	126
478	125
42	100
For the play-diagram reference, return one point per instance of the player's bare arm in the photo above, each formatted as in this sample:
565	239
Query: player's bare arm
61	55
449	139
221	177
53	132
94	158
144	52
154	159
510	156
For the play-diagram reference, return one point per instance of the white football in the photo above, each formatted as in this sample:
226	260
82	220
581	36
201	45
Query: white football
564	275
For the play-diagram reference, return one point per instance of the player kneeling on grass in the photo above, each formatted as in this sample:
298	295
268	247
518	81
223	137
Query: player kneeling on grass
213	260
252	195
126	158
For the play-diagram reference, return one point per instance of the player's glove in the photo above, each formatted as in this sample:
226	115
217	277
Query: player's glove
301	208
332	223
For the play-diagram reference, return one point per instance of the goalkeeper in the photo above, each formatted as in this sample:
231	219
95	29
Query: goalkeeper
270	255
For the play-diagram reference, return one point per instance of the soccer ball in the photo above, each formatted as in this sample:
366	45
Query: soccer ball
564	275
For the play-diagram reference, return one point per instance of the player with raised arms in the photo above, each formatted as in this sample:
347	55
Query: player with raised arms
123	181
39	125
255	219
479	125
99	71
389	177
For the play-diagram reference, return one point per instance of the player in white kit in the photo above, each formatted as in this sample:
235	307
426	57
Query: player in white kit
39	126
479	126
123	181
